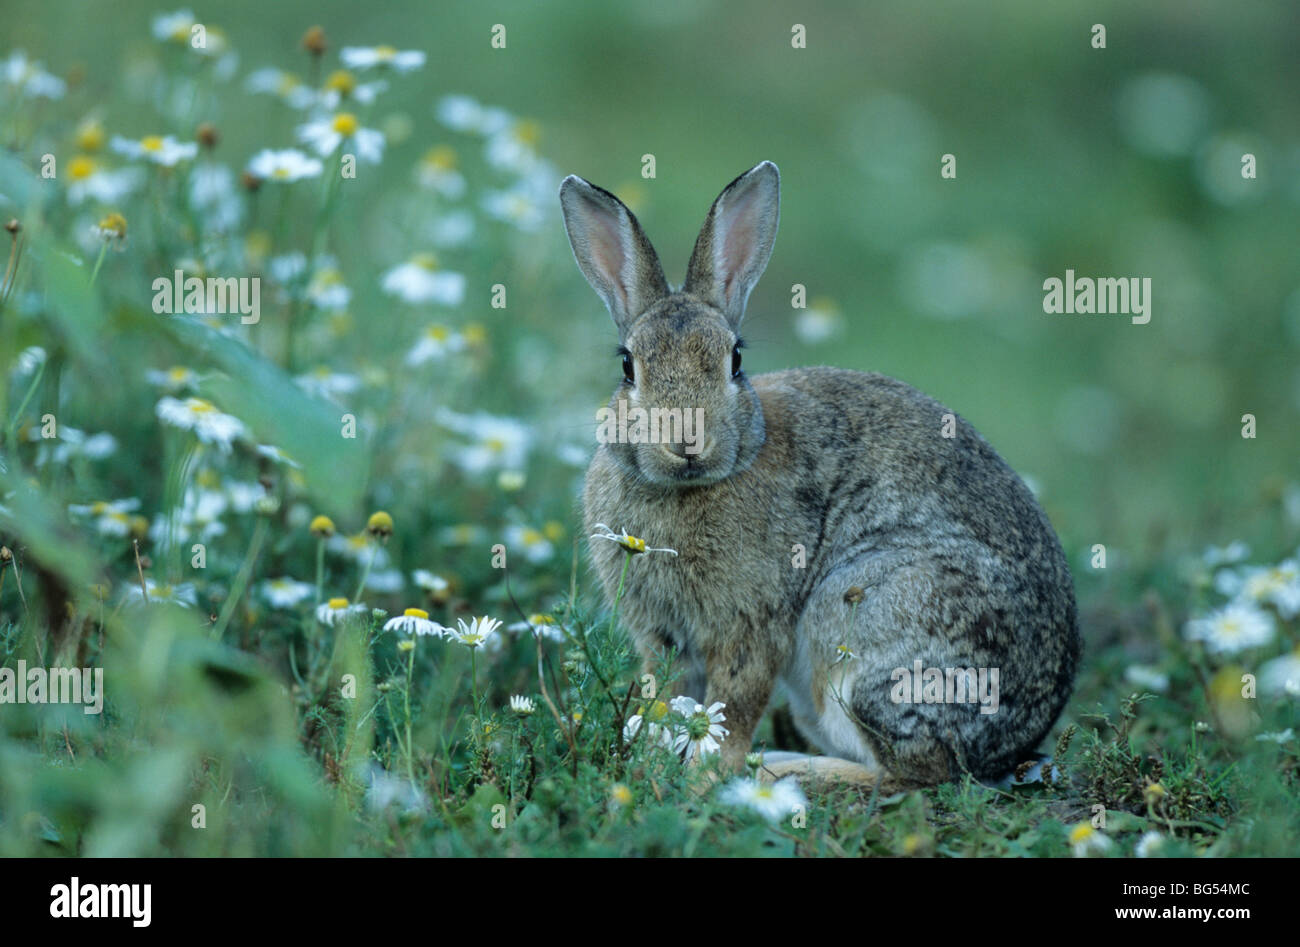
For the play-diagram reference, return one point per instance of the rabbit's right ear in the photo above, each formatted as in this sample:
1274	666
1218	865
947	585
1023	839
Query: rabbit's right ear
612	251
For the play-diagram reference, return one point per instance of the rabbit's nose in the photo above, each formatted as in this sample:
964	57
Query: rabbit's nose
697	449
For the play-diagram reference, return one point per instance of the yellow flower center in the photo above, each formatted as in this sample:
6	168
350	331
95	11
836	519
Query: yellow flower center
345	123
178	373
341	81
338	603
425	261
495	444
529	132
541	620
114	225
416	613
199	406
438	333
287	83
280	173
632	544
151	143
385	53
1081	833
475	334
80	168
90	137
532	537
441	158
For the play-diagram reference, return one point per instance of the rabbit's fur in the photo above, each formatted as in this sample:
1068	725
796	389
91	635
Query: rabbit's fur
951	560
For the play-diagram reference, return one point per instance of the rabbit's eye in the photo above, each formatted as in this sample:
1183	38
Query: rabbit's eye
628	371
735	361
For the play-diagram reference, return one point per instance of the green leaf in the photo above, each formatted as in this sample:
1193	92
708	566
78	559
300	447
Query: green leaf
261	395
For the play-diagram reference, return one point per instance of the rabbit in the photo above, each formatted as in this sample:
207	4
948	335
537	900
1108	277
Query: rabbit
836	532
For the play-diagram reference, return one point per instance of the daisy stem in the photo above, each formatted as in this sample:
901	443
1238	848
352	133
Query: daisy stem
103	251
31	390
613	618
241	579
320	569
365	573
410	761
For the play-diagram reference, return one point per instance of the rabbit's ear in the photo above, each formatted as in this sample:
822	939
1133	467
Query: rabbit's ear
736	241
612	251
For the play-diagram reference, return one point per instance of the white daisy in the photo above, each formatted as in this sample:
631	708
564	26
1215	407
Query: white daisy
514	148
543	626
327	134
286	165
1281	676
651	717
368	57
434	343
162	150
174	27
327	384
1149	845
1087	841
476	633
385	581
415	621
175	379
1277	585
88	181
464	114
327	289
498	443
1235	627
338	609
817	323
1147	677
29	78
522	705
702	733
535	546
437	172
629	542
209	425
773	801
283	85
419	280
285	592
182	595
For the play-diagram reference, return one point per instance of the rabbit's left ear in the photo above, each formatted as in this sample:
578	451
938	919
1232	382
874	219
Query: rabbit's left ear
736	241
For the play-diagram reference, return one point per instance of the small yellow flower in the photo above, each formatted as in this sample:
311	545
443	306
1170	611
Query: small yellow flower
81	167
323	527
1153	794
344	83
380	525
90	136
441	157
337	603
346	124
112	227
474	334
620	796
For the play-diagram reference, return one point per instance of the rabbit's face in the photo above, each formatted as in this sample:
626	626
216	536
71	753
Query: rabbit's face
692	417
685	414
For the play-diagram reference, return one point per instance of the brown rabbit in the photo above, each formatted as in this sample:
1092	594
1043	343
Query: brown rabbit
836	531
